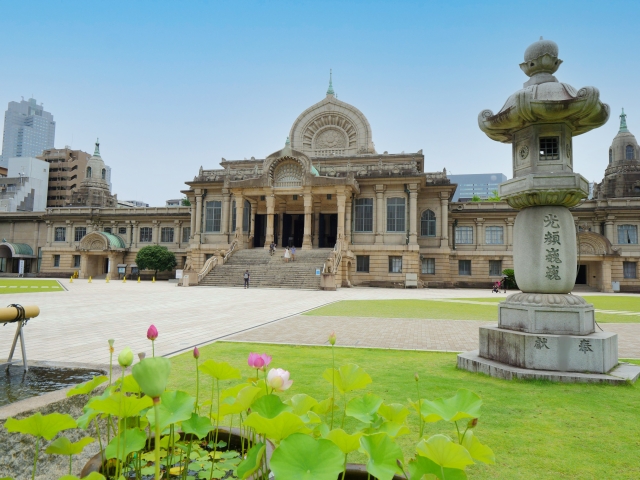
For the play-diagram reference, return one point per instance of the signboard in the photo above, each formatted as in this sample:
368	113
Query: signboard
615	286
317	271
179	273
21	267
121	270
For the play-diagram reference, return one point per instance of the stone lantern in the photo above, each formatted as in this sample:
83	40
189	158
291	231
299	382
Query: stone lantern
544	331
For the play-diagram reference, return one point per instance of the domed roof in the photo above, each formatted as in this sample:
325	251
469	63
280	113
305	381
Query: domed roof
624	147
96	171
332	128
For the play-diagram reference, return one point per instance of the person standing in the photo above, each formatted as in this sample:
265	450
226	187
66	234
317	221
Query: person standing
287	255
246	276
293	253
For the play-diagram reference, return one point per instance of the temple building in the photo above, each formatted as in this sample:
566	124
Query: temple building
360	217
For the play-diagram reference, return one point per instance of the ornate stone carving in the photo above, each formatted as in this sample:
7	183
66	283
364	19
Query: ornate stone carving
550	299
288	174
331	138
567	198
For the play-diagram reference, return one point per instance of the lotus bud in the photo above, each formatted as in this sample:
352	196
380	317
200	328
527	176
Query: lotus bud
152	374
399	464
126	357
416	376
111	342
141	355
152	333
472	423
196	353
332	338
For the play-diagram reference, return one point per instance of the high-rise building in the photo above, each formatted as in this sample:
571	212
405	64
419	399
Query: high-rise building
28	130
67	169
481	185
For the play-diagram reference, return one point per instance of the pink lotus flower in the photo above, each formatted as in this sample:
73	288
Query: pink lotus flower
152	333
259	361
278	379
196	353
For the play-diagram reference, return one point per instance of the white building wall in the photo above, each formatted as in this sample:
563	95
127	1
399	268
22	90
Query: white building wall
26	173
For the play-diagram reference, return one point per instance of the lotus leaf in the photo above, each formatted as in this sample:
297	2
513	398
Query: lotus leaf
252	461
131	440
152	374
464	404
422	467
270	406
120	405
383	455
129	385
91	476
87	387
324	407
477	450
63	446
301	457
302	403
394	412
277	428
232	392
441	450
393	429
175	406
38	425
347	378
197	425
219	370
345	442
363	408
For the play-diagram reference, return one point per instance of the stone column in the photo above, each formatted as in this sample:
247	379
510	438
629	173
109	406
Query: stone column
341	207
306	238
347	225
49	233
479	233
198	229
606	277
270	213
177	230
12	227
83	265
316	224
136	234
156	232
36	236
239	220
192	223
413	214
444	219
70	234
608	229
252	224
509	236
226	210
380	227
281	242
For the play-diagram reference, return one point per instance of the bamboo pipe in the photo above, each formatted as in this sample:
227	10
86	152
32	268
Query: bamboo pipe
10	314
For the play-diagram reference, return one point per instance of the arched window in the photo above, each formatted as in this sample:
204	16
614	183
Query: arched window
88	172
104	174
629	152
428	224
610	156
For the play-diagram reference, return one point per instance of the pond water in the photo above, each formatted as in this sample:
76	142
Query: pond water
16	385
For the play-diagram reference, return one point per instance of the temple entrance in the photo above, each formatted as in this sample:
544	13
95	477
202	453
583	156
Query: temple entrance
328	233
581	278
292	230
106	266
259	231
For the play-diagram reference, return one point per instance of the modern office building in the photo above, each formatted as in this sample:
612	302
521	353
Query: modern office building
28	130
480	184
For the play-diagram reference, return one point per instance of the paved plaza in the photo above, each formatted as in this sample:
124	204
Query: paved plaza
74	325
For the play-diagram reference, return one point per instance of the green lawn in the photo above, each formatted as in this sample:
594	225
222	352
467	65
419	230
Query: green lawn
538	430
15	285
452	310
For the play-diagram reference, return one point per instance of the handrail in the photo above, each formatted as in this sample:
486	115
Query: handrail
208	266
213	261
335	261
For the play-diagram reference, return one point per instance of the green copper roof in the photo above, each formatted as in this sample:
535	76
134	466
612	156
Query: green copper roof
330	89
623	123
18	249
115	241
96	152
287	142
314	172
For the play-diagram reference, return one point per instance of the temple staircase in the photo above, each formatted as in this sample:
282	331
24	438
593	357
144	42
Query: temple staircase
269	271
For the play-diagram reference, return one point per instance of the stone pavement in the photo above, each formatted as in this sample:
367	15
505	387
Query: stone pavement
74	325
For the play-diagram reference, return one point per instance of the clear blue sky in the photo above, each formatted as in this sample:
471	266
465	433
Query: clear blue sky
170	86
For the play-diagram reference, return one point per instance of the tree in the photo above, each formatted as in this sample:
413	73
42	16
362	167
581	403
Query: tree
494	197
186	202
155	257
476	198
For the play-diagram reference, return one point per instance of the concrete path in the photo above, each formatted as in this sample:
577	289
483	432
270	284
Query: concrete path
74	325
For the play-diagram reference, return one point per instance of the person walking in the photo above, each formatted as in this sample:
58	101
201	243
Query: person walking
293	253
287	255
272	248
246	276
